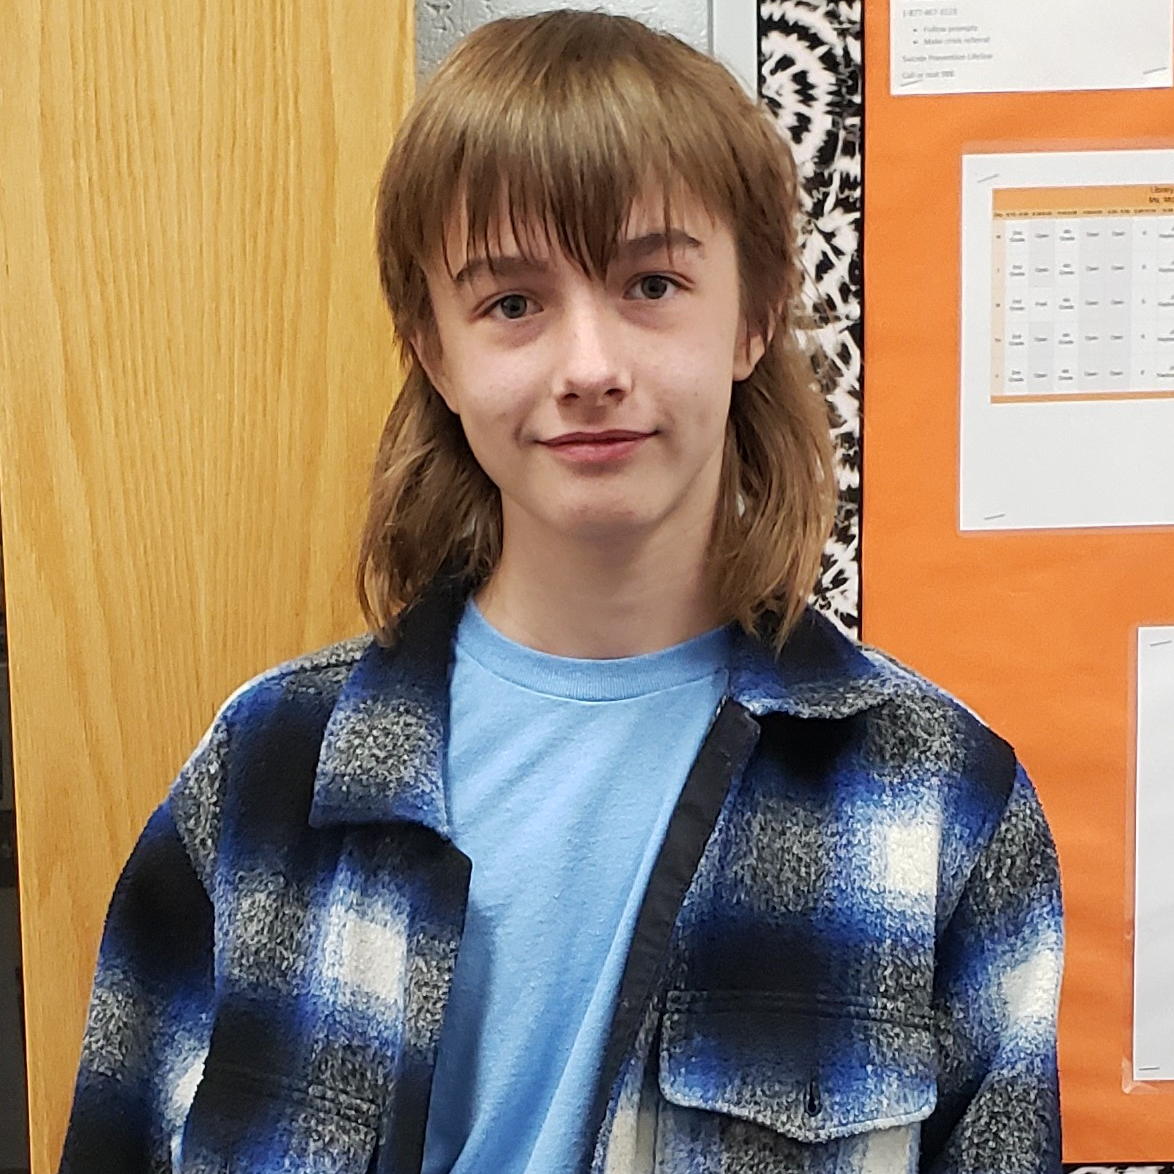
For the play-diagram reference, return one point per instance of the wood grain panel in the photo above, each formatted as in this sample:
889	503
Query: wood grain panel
195	367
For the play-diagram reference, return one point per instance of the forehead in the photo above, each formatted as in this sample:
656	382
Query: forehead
508	233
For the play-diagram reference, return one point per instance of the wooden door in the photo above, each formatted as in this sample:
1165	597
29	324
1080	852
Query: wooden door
194	366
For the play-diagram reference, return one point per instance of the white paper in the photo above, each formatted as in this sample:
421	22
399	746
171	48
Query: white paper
1153	966
1067	347
991	46
734	36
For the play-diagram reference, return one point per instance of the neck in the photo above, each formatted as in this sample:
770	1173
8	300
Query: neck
601	600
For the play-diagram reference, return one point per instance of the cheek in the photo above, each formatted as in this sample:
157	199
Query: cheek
491	388
493	426
486	452
716	389
700	426
493	416
714	351
713	411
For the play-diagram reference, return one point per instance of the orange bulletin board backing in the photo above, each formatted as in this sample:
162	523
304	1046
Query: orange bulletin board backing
1034	629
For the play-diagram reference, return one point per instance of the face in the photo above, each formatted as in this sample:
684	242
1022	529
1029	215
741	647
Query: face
597	405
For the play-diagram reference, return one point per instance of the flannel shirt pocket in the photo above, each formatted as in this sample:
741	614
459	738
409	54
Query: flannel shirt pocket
810	1071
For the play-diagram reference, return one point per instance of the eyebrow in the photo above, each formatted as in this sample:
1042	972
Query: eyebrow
635	248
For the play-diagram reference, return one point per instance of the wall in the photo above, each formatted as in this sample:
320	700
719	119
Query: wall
441	23
196	364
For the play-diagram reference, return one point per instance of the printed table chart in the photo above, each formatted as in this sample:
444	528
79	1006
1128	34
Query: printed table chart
1066	362
1083	293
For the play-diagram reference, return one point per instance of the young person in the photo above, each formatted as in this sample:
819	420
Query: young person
606	853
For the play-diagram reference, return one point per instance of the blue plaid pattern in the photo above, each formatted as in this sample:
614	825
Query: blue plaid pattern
862	975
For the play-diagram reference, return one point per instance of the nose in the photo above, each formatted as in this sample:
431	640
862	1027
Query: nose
592	366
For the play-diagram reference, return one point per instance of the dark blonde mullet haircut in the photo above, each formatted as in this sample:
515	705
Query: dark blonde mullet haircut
565	119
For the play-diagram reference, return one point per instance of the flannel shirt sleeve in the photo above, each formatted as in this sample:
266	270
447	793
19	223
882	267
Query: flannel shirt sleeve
995	1003
149	1020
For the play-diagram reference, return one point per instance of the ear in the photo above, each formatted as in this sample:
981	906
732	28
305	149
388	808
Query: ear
751	346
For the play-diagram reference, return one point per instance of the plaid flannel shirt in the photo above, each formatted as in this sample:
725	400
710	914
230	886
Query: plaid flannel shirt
848	957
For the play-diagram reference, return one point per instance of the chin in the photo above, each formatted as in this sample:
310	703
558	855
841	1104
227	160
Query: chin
605	526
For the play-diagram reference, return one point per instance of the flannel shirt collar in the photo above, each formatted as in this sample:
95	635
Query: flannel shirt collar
820	673
382	756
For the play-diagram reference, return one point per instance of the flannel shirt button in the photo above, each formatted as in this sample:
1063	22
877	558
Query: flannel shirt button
814	1099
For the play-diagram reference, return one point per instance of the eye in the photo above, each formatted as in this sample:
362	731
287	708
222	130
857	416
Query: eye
654	287
512	306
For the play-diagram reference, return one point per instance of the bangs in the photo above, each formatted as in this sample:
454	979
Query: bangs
559	132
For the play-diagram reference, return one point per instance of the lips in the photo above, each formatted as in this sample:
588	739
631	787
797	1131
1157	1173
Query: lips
611	436
611	447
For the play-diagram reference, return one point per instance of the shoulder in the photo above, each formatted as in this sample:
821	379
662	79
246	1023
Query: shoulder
899	724
266	734
939	786
314	675
889	739
921	728
965	780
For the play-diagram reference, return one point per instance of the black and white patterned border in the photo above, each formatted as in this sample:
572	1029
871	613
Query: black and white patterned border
811	80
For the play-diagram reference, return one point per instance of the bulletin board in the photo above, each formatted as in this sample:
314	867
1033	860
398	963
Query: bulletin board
1035	628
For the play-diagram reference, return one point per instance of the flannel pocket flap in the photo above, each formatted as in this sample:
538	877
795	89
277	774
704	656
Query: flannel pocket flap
811	1072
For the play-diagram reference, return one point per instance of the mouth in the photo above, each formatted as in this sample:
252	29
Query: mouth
611	436
597	448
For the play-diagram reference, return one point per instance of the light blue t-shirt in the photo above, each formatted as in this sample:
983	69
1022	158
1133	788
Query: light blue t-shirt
561	777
